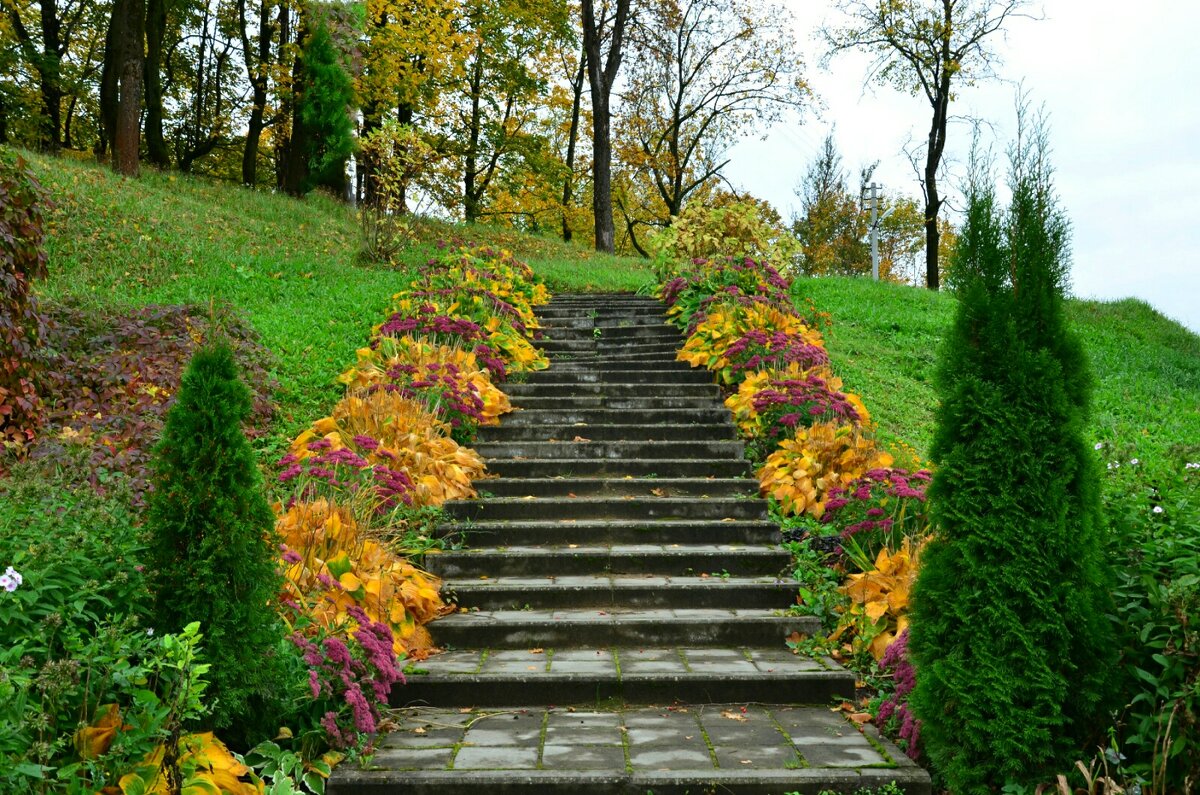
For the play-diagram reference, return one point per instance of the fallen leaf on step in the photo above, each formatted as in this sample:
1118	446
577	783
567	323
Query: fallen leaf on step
745	761
419	730
658	492
571	494
572	546
581	439
529	497
537	651
728	519
795	637
859	718
466	710
731	715
532	668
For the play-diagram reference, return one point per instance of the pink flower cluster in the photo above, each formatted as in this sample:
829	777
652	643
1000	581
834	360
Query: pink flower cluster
760	350
346	469
356	683
857	506
904	677
429	323
786	403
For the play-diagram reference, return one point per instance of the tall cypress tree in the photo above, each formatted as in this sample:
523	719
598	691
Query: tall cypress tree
212	556
1010	636
324	109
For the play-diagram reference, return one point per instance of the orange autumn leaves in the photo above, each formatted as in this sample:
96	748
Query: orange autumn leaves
396	442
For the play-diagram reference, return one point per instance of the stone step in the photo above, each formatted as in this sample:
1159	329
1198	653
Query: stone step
614	332
612	590
664	360
712	413
617	487
622	450
681	374
619	468
540	677
685	387
610	532
512	432
732	749
618	403
627	507
574	559
525	629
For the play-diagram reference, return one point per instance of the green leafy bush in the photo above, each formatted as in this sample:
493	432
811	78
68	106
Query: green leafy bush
22	259
1009	635
213	546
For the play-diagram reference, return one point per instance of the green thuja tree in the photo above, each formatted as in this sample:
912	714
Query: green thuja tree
325	109
212	545
1010	637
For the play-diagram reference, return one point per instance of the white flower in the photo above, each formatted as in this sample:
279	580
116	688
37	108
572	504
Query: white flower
1158	509
1111	466
1134	462
1099	445
11	579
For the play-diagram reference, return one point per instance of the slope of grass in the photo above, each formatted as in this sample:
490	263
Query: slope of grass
289	265
886	338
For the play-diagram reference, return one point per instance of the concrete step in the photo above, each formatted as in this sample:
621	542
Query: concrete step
617	487
617	467
525	629
609	531
622	450
733	749
712	413
625	590
618	403
491	677
575	559
511	432
649	390
627	507
613	375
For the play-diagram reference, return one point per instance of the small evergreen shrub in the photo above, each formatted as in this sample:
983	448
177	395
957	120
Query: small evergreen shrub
22	259
327	95
212	545
1010	636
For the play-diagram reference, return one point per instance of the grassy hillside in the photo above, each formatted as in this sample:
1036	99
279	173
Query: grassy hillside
885	340
289	265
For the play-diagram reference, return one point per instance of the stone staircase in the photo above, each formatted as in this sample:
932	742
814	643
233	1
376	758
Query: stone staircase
623	600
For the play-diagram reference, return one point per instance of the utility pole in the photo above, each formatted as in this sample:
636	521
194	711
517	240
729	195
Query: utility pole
874	199
876	220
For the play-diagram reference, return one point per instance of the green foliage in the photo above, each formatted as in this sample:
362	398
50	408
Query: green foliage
739	229
211	555
1009	634
22	259
1154	511
325	101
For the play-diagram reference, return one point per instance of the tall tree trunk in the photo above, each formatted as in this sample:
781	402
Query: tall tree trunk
295	173
470	167
50	76
256	70
110	76
601	76
568	181
128	130
933	160
283	127
156	26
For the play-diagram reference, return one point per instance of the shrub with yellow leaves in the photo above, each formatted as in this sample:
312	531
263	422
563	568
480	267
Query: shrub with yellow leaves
332	566
878	610
799	475
722	325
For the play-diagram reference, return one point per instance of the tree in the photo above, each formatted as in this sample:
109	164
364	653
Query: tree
156	30
257	56
43	48
602	69
834	225
701	73
322	133
128	36
926	47
1010	632
212	542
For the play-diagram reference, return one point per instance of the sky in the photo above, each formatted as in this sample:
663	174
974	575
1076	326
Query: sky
1120	83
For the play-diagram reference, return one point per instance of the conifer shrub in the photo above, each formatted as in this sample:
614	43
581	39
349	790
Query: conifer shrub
1009	635
212	545
22	259
328	93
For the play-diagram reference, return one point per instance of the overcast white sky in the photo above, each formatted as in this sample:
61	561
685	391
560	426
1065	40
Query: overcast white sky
1121	84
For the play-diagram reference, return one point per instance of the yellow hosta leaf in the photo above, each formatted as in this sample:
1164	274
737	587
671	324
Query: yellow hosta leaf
95	740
